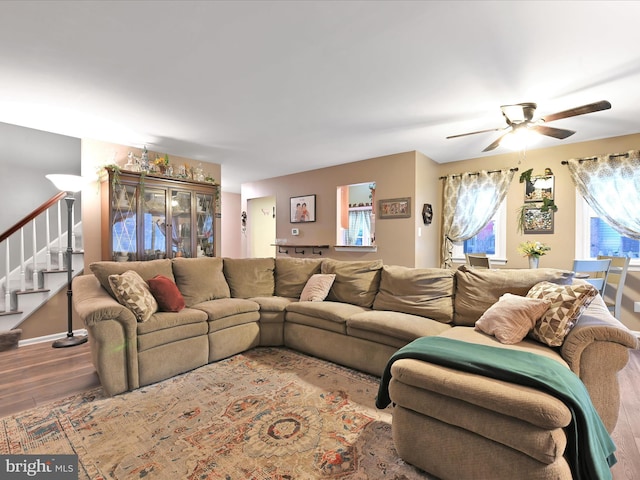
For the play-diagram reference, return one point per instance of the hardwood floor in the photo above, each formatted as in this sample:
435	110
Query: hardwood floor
37	374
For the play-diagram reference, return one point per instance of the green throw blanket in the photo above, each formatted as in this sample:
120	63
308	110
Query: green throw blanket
589	446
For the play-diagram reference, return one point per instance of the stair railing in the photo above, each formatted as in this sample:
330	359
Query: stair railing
19	227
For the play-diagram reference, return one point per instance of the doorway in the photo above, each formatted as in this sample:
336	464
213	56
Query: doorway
261	227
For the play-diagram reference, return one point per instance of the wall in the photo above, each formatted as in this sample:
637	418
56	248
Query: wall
395	176
97	154
27	155
230	225
562	241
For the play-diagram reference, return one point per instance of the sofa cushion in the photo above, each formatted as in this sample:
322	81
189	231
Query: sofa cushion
292	275
166	293
567	304
227	307
200	279
427	292
330	316
133	292
317	287
392	328
478	289
356	282
250	277
512	317
146	270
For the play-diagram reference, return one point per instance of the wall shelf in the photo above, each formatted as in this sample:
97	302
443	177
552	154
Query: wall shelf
315	249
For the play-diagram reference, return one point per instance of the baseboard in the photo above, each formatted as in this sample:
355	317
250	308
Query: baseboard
49	338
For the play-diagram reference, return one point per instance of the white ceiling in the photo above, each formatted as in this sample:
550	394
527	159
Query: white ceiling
270	88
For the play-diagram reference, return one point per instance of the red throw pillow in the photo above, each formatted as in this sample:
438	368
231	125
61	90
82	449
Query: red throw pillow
166	293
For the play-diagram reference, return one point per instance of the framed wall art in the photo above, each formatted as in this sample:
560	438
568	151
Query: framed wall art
536	220
303	209
538	188
395	208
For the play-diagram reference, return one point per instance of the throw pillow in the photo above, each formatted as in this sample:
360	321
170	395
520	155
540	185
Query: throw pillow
317	287
166	293
512	317
133	292
567	304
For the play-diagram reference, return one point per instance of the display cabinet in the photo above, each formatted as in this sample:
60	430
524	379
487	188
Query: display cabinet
147	216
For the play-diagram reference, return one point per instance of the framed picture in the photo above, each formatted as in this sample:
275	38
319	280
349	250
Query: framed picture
538	188
394	208
303	209
537	221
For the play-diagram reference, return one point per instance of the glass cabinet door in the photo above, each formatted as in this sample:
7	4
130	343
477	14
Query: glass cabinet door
204	218
154	224
181	223
123	223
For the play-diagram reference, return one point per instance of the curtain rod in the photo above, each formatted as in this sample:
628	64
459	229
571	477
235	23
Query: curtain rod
477	173
613	155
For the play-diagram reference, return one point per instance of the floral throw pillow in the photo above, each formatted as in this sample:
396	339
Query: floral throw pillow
567	304
317	287
512	317
133	292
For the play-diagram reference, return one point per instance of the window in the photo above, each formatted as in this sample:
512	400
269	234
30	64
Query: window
356	218
492	240
595	237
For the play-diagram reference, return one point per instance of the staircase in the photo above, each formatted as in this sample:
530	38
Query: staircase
30	279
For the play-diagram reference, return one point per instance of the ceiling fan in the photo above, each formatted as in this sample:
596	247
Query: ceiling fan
519	117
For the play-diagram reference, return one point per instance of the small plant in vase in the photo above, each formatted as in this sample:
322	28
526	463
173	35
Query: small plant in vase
533	251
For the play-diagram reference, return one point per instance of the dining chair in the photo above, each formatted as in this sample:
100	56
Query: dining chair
597	270
478	260
616	279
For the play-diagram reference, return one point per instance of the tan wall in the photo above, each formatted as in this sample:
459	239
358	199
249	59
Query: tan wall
562	241
395	176
230	229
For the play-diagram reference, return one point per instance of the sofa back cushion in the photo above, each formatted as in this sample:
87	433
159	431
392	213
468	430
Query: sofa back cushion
250	277
478	289
356	282
293	273
200	279
146	270
427	292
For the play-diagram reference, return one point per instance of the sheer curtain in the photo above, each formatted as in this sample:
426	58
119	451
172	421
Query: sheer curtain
470	200
610	184
359	227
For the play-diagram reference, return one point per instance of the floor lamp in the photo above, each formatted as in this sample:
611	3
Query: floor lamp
69	184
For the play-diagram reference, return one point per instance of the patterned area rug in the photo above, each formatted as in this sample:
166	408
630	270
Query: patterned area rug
267	414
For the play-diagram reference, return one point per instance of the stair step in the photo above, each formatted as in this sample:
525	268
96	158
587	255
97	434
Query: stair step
11	312
25	292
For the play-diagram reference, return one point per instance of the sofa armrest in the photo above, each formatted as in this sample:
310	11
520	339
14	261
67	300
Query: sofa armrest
596	324
595	350
112	330
94	304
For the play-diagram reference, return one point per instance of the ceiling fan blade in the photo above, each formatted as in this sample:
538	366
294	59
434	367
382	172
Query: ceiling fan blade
572	112
473	133
558	133
495	144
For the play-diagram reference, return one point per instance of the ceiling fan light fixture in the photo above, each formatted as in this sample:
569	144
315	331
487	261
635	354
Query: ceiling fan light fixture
519	139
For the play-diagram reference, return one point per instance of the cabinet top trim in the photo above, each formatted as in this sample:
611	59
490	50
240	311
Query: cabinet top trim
158	176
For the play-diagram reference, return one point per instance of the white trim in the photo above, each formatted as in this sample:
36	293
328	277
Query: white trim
50	338
356	248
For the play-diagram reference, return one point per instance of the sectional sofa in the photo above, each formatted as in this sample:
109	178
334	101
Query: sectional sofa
370	311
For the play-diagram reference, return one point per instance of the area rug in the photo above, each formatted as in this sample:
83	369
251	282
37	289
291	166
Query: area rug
267	414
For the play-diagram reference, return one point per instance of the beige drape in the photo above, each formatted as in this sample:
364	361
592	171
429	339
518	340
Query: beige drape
610	184
470	200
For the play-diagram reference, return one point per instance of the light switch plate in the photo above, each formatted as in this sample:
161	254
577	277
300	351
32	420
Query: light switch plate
295	231
636	307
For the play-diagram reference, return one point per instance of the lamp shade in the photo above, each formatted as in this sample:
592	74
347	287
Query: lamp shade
67	183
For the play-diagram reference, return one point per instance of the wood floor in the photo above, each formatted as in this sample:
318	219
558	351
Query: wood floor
37	374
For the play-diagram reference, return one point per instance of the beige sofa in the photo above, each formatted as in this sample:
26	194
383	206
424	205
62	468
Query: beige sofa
370	312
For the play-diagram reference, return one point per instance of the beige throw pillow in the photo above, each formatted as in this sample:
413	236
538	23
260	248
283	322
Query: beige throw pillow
133	292
567	304
317	287
512	317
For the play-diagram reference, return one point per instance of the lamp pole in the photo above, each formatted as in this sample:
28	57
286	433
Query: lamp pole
70	340
69	184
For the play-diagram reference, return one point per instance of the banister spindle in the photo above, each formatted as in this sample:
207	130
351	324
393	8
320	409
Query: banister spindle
23	280
60	259
48	239
7	290
35	257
